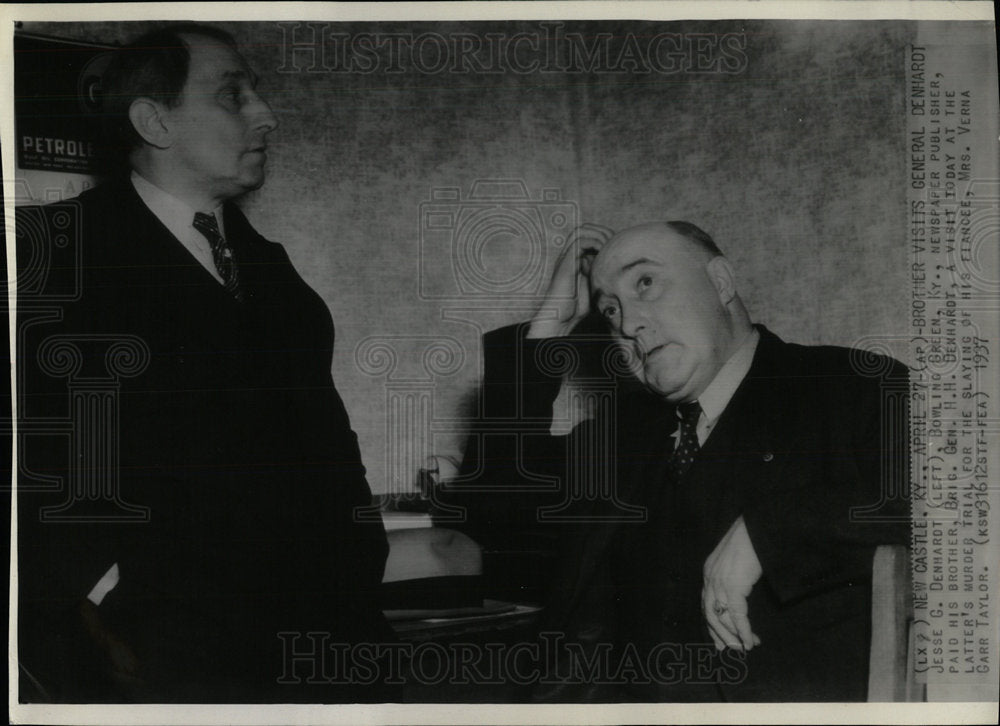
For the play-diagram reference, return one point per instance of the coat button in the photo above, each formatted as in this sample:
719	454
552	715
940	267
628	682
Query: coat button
768	456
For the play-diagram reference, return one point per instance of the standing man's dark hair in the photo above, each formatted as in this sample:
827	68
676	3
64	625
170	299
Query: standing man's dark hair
154	66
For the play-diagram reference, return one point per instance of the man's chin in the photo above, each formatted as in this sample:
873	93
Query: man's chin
674	397
671	388
252	182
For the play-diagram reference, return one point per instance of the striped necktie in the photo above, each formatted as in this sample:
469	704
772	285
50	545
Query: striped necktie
222	253
687	441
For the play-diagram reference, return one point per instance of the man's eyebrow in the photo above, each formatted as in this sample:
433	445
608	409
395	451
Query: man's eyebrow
597	292
635	263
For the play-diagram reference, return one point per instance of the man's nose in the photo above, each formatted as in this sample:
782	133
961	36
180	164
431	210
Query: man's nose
631	322
263	117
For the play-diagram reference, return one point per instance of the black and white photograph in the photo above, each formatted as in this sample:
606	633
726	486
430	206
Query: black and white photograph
502	362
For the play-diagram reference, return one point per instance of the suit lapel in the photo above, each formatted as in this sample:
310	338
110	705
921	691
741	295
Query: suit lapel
160	259
745	451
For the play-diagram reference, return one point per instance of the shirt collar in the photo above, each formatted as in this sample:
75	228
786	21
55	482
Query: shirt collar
720	391
176	215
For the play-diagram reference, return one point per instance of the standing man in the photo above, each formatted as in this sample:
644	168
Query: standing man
231	436
748	577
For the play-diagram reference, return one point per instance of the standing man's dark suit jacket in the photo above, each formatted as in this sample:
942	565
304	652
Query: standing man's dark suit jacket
233	436
805	439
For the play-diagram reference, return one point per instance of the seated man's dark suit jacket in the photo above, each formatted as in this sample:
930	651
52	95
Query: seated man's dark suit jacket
804	440
231	435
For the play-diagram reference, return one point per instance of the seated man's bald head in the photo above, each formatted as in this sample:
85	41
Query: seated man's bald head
694	235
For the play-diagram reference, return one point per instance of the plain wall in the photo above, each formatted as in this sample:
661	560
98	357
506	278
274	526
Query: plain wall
796	166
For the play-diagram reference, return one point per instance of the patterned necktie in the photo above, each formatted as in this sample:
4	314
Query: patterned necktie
687	441
222	253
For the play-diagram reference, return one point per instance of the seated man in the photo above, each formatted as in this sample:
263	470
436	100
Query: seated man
729	559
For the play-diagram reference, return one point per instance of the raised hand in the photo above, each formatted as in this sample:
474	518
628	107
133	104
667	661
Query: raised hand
567	300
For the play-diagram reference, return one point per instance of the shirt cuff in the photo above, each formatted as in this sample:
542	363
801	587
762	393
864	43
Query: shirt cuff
105	585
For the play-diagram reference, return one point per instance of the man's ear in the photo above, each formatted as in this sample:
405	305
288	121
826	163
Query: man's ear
720	272
149	120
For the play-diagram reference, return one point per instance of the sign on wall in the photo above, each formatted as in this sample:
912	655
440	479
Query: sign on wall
57	83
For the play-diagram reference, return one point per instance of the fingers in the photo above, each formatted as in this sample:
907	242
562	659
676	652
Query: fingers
567	300
723	635
592	239
589	239
730	572
740	622
728	620
568	262
587	256
582	247
582	294
736	621
720	644
578	254
720	636
599	230
725	609
594	231
572	276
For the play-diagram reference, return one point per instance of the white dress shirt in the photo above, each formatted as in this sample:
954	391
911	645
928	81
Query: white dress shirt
178	218
716	397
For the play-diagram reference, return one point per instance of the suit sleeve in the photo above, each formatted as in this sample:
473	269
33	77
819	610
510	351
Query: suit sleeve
60	557
515	474
513	467
840	495
510	457
353	547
